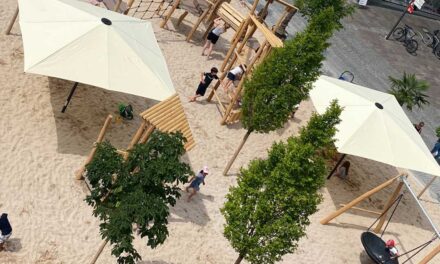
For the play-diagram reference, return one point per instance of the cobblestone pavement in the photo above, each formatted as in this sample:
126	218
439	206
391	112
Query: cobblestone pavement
362	49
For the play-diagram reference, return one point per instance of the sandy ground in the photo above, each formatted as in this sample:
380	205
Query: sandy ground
41	149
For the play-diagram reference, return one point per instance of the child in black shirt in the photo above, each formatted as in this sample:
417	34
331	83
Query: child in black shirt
205	80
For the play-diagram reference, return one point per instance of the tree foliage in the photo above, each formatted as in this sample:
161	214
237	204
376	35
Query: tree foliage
136	191
437	132
285	77
268	212
311	8
409	91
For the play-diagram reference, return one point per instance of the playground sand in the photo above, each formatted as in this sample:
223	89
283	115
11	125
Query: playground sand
42	148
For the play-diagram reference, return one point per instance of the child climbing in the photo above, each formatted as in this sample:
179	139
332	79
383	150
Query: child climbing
205	80
220	27
233	75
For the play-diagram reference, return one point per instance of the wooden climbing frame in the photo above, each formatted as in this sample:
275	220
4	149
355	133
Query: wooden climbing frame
166	116
231	113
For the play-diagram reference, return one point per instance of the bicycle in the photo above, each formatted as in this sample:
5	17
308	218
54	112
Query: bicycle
431	40
406	35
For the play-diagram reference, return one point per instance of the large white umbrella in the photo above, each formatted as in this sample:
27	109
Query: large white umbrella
374	126
77	41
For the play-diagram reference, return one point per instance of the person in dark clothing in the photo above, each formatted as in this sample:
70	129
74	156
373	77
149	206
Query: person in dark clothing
195	182
5	230
205	80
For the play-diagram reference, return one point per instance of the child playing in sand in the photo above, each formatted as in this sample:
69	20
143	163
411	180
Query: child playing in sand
233	75
5	230
390	247
195	182
205	80
220	27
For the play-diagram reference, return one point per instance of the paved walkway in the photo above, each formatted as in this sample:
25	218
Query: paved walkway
361	48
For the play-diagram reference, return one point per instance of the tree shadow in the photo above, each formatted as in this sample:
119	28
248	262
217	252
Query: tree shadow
365	175
79	126
13	245
193	211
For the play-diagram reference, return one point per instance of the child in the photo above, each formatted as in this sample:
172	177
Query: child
195	182
233	75
5	230
390	247
205	80
220	27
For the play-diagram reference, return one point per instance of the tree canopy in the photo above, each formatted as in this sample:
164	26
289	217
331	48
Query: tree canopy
310	8
268	212
136	191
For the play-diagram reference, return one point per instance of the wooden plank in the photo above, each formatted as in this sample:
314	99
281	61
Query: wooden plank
219	101
160	105
273	40
284	3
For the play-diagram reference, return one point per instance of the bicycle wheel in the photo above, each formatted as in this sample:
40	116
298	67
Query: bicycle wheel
398	33
411	46
428	39
437	53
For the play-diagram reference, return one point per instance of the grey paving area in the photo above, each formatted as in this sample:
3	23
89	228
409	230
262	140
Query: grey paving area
362	49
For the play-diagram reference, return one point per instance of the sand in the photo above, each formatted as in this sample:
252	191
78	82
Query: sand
41	149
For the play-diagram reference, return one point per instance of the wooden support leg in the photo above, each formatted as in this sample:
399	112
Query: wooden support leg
197	24
236	39
426	187
217	84
358	200
12	22
159	8
129	5
118	4
431	255
182	17
168	15
147	134
138	135
233	101
390	202
101	135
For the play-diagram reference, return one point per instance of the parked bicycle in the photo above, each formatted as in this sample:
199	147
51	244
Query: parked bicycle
432	40
406	35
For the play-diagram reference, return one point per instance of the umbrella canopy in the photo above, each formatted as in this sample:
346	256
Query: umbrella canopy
374	126
77	41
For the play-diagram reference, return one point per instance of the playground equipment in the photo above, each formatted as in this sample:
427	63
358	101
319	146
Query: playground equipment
166	116
237	55
373	244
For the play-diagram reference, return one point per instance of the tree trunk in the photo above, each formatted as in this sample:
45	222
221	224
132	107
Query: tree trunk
281	30
239	259
236	152
95	258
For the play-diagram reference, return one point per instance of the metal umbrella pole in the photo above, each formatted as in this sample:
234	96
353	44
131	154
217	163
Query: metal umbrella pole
72	91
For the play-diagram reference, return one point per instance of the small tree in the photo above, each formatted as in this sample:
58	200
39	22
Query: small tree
409	91
437	132
284	78
311	8
268	212
136	191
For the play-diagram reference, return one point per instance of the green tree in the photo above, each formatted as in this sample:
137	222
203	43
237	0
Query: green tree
409	91
284	78
136	191
268	212
437	132
311	8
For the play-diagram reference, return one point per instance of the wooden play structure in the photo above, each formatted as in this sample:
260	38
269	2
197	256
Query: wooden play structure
166	116
238	54
401	179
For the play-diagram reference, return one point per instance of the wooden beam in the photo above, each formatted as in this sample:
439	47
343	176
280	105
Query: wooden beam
147	134
358	200
181	18
387	207
118	4
234	43
431	255
426	187
168	15
138	135
101	135
197	24
12	22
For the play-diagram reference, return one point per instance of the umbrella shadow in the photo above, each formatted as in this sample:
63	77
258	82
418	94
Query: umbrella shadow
363	176
78	128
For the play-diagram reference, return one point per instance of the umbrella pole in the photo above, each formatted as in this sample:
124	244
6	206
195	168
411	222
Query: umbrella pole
12	22
72	91
336	166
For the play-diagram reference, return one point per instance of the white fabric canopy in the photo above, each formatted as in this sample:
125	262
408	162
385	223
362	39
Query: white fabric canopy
374	126
68	39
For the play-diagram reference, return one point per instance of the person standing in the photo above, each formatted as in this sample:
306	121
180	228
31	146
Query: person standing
5	230
436	149
220	27
195	182
205	80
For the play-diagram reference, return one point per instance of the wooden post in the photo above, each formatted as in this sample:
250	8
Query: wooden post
129	5
234	43
168	15
431	255
196	25
231	161
138	135
12	22
358	200
101	248
426	187
390	202
101	135
182	17
147	134
118	4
